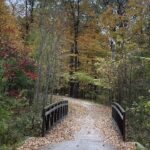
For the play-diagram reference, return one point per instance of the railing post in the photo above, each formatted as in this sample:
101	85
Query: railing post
58	113
124	126
67	108
61	113
55	114
43	123
52	118
63	110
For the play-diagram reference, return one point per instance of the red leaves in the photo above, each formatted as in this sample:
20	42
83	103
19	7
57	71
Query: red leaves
7	66
27	63
16	67
31	75
9	30
28	67
14	93
7	50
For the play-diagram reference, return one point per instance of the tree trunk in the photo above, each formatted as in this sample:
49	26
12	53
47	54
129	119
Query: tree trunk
74	60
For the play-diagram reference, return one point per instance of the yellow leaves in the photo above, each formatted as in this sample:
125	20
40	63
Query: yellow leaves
8	26
136	7
119	38
87	42
108	18
136	29
132	3
85	8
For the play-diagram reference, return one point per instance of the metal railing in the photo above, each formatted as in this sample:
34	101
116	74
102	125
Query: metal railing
118	114
52	114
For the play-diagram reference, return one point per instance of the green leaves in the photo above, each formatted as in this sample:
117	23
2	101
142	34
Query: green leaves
83	77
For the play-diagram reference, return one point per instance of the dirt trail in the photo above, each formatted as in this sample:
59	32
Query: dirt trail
88	126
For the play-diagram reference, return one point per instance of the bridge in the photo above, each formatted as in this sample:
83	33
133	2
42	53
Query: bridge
88	126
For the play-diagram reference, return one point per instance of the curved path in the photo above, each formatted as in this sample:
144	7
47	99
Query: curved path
88	126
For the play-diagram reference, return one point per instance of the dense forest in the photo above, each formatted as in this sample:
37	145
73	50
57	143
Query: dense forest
91	49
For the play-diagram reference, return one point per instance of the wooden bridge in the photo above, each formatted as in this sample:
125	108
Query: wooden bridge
73	124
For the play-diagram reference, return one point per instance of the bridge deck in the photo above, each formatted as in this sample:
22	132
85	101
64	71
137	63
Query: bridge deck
88	126
79	145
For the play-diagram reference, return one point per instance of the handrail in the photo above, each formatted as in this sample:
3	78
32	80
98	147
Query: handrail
118	114
119	107
53	109
52	114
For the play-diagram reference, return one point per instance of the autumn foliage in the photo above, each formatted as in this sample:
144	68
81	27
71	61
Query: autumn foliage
17	68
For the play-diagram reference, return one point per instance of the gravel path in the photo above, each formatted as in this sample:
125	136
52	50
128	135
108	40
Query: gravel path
88	126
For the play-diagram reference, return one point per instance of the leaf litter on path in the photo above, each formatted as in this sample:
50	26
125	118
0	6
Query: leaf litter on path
82	115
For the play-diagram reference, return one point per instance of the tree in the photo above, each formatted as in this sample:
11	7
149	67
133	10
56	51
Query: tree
48	55
127	28
16	67
84	34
